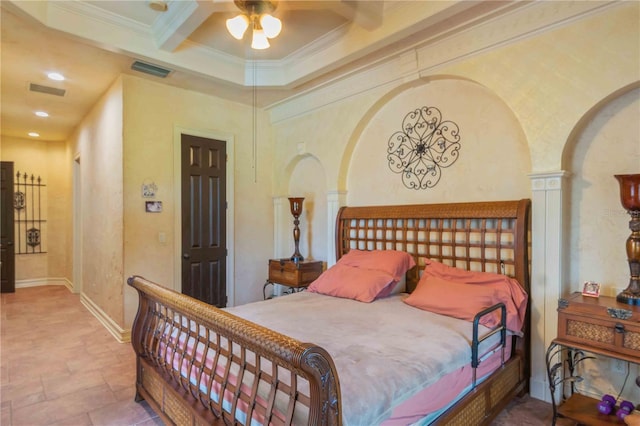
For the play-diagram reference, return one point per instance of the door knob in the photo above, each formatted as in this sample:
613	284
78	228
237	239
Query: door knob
186	256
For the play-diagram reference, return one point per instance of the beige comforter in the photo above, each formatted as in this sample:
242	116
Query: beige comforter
384	351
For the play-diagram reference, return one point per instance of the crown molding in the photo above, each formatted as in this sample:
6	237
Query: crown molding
427	56
408	26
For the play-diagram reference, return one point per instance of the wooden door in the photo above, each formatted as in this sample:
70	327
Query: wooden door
7	247
204	203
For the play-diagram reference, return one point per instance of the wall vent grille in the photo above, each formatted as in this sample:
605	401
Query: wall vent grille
150	69
46	89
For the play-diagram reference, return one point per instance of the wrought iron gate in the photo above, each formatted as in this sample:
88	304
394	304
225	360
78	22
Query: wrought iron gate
28	218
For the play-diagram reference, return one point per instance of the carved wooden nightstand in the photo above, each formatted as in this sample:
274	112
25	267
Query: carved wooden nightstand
295	275
589	326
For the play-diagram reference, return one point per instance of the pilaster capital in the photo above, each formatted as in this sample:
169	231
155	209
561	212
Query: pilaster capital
549	181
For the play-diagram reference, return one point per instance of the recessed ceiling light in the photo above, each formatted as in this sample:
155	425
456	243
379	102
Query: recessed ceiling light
158	5
42	114
34	134
55	76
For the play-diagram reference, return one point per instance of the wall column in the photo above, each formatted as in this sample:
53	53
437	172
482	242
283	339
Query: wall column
278	225
280	209
548	279
335	200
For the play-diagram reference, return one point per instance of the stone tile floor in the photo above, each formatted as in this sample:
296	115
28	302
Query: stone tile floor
60	366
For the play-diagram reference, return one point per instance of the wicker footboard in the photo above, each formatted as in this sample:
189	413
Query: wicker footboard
486	401
174	406
197	364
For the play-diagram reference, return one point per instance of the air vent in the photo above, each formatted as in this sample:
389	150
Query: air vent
150	69
46	89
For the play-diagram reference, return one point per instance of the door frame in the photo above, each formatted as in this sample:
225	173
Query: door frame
229	139
77	224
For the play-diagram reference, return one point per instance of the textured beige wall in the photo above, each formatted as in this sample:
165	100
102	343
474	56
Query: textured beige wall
551	80
98	142
536	91
47	160
151	112
531	101
492	146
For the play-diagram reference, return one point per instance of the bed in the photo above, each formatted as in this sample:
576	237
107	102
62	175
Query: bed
197	364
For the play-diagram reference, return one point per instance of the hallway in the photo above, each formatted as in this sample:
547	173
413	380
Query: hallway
60	366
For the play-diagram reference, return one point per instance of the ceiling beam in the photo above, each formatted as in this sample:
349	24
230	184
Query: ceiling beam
367	14
182	18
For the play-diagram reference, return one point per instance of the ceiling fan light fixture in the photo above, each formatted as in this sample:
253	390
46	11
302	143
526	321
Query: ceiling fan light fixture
237	26
271	26
259	41
255	13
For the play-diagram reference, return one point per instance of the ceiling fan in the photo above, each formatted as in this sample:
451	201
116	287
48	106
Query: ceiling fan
256	13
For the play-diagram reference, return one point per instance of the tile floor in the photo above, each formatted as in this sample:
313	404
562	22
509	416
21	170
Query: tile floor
60	366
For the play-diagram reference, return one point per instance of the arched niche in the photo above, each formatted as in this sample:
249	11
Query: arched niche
605	142
305	177
494	159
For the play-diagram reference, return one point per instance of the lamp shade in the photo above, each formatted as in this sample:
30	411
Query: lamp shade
295	203
259	40
271	26
237	26
629	191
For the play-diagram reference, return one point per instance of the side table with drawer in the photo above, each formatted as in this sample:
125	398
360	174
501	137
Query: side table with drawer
295	275
589	326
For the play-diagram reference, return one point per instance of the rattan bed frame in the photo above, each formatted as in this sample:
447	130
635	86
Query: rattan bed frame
297	377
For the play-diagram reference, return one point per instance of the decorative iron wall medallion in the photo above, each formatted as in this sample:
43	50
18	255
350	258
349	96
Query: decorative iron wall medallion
33	237
423	148
18	200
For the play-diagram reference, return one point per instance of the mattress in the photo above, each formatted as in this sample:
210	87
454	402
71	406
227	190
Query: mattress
386	353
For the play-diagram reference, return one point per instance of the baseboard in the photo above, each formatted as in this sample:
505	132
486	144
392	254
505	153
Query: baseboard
121	335
539	390
37	282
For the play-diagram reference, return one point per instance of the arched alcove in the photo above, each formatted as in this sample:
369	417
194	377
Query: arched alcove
603	143
306	178
493	161
606	142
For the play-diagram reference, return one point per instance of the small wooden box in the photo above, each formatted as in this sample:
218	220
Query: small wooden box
598	324
294	274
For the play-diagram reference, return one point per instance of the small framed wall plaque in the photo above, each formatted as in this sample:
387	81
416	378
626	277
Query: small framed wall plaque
149	190
591	289
153	206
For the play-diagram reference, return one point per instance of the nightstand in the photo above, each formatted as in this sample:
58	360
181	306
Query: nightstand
295	275
589	326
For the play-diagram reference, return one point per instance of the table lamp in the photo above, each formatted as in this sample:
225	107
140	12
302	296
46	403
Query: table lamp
296	210
630	199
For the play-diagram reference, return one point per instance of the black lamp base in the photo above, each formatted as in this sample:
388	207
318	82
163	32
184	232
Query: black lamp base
629	298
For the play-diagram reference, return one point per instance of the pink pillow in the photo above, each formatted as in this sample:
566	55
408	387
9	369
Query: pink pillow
508	290
349	282
454	299
393	262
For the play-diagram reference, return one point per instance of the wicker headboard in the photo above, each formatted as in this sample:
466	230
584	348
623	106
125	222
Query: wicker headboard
488	236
